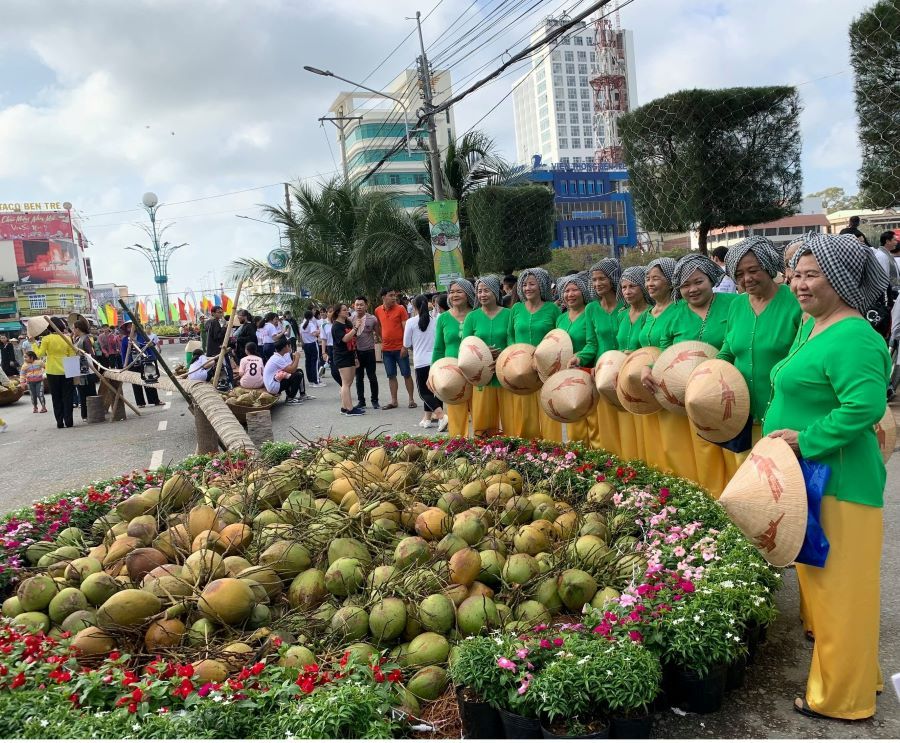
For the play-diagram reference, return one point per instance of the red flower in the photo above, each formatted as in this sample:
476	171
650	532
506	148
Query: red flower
345	659
306	684
185	671
132	708
395	676
18	681
257	668
636	636
184	689
115	655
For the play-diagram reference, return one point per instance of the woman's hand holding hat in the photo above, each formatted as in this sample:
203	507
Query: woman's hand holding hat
791	438
647	379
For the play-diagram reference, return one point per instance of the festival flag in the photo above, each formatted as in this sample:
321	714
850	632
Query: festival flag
142	312
173	311
182	314
101	316
159	310
192	313
227	304
112	315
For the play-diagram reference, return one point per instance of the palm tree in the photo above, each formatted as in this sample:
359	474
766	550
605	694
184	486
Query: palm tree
345	241
469	164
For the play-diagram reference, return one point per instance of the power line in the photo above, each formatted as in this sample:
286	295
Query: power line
188	201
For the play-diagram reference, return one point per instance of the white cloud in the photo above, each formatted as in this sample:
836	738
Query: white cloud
226	77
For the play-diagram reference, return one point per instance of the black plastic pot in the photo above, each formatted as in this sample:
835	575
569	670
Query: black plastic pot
737	672
701	694
639	727
479	719
547	733
752	636
520	727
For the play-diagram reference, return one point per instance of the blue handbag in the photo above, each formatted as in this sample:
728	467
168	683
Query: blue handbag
815	544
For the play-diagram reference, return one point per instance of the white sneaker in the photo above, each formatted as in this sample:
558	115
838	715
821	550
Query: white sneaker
427	424
3	428
317	384
443	423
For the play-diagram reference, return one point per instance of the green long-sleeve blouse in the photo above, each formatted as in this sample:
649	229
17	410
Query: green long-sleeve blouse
628	334
601	331
531	327
755	343
658	331
492	330
689	326
831	390
578	331
448	332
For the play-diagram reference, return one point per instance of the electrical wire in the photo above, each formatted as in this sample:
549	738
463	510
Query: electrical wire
328	142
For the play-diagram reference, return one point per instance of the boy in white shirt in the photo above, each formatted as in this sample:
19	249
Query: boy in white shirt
282	375
250	371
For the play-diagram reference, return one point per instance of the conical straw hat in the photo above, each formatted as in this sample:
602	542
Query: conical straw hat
553	353
766	499
886	433
633	396
717	400
475	361
515	369
37	325
448	381
606	373
672	369
569	395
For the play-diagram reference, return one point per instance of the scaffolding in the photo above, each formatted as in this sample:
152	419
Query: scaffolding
610	83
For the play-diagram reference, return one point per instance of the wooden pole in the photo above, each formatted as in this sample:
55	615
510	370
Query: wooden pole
79	351
224	349
136	323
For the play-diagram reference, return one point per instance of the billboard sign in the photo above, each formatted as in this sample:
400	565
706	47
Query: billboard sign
48	262
446	246
35	226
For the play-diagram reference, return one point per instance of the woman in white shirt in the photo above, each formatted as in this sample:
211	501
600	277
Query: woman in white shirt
309	336
270	333
418	336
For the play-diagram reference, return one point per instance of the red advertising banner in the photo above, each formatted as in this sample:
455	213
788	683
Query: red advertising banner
47	262
35	226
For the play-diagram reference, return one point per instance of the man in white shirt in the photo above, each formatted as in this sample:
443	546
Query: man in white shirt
282	375
726	285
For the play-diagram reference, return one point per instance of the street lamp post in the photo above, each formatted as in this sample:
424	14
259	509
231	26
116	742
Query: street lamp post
157	253
398	101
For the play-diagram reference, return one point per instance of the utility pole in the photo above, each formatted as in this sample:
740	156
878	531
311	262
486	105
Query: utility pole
433	154
339	124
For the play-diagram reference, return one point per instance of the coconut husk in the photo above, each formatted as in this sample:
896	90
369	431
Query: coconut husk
717	400
474	361
450	385
766	499
632	394
606	374
569	395
515	369
672	369
553	354
886	433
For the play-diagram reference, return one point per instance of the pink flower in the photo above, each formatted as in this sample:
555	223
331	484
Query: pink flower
506	664
546	644
558	641
522	653
679	551
636	636
627	600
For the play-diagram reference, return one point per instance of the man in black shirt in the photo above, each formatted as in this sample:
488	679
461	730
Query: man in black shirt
246	333
215	338
8	357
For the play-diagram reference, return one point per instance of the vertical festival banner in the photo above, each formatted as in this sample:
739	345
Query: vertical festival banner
446	247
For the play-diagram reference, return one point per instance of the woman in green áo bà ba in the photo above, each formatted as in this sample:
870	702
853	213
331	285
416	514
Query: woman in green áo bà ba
827	396
637	302
448	334
576	293
530	320
762	325
492	406
603	316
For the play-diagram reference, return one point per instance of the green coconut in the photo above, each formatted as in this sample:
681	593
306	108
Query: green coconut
533	612
286	558
344	576
66	602
71	536
380	576
34	552
307	589
437	613
361	652
428	683
177	491
387	619
477	614
33	621
202	566
260	616
546	593
518	510
297	656
201	633
78	570
130	607
78	620
98	587
411	551
449	545
12	606
35	593
347	547
589	550
427	649
492	563
576	588
350	622
470	527
520	568
604	597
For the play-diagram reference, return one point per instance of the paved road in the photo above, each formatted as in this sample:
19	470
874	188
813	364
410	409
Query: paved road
35	452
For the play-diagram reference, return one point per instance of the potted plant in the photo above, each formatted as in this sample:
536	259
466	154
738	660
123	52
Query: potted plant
479	682
631	690
701	640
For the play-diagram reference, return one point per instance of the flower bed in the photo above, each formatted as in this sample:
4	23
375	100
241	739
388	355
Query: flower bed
667	584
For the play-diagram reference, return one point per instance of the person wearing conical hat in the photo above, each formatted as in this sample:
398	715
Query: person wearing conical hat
762	324
637	301
674	455
602	317
448	333
531	318
576	293
492	406
827	395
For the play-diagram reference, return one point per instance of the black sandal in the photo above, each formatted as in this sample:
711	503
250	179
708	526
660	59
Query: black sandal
801	707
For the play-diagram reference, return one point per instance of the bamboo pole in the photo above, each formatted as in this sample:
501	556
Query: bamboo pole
224	349
136	323
83	353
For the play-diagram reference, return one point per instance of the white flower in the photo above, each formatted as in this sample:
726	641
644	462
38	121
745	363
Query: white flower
44	723
136	727
727	584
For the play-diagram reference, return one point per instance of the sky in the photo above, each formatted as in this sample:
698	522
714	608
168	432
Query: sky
103	100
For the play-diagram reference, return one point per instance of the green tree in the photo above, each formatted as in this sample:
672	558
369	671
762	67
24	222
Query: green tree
467	165
875	56
514	226
834	199
346	241
701	159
